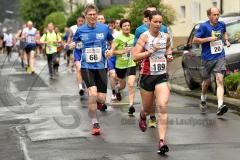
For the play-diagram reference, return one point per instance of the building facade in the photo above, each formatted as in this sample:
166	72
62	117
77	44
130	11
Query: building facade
190	12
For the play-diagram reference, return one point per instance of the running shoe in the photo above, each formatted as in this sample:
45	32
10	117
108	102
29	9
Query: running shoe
222	109
96	129
131	110
118	95
152	122
114	97
163	148
102	107
81	92
142	123
203	106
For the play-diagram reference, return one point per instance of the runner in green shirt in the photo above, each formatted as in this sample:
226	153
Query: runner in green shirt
125	66
51	39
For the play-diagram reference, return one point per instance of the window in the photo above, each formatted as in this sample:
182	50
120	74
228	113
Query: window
183	12
196	11
233	30
214	4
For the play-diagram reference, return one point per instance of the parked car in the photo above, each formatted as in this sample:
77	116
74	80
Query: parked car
191	54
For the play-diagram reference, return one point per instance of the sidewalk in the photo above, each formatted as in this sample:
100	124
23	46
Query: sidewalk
179	86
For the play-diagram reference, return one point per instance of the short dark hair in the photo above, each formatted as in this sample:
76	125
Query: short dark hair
146	13
90	7
111	21
124	21
153	13
81	16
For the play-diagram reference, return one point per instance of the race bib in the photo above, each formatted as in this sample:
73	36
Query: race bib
49	48
93	55
127	55
30	39
158	65
79	45
216	47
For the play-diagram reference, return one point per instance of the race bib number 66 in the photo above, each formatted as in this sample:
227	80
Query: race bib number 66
93	55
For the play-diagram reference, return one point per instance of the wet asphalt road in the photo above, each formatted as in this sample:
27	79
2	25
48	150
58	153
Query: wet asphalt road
42	119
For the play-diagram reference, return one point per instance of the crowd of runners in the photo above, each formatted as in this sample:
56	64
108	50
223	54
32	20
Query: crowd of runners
100	51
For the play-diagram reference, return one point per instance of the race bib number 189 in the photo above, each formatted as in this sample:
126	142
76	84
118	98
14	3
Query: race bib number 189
158	65
93	55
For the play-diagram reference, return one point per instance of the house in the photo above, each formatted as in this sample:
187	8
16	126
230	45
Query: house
190	12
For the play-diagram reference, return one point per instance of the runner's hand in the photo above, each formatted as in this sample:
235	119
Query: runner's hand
109	53
72	45
228	44
212	39
169	57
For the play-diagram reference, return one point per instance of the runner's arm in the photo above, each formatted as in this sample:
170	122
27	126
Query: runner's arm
138	51
226	40
203	40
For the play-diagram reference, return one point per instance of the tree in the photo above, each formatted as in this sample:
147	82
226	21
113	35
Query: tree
57	18
38	10
113	12
137	7
73	17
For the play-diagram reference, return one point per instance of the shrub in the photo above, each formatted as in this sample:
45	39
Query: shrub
113	12
232	82
57	18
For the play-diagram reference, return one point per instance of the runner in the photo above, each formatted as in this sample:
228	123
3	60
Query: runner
38	46
101	18
65	40
151	49
125	66
141	29
111	66
21	46
59	50
9	43
1	43
94	37
212	35
51	39
77	54
29	35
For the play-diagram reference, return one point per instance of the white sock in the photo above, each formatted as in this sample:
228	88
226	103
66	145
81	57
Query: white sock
203	97
220	102
94	120
80	86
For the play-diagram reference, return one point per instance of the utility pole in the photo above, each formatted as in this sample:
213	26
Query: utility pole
221	6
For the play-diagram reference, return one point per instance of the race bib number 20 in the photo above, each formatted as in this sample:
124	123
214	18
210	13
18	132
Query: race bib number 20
93	55
216	47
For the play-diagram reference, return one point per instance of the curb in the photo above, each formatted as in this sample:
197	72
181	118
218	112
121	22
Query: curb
230	102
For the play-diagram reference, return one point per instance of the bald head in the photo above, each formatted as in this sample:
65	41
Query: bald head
29	24
212	9
213	14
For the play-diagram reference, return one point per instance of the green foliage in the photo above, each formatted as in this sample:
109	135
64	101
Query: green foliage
72	20
138	6
38	10
232	82
57	18
113	12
